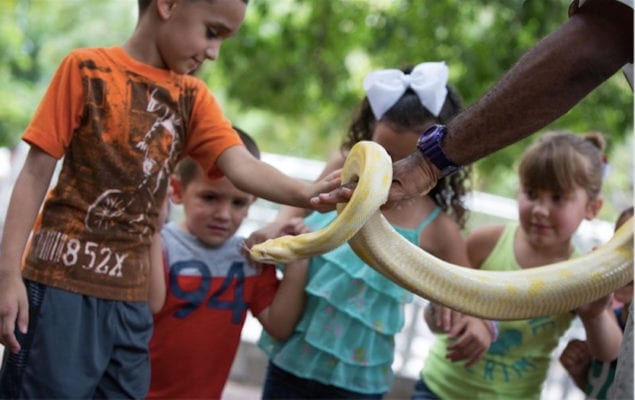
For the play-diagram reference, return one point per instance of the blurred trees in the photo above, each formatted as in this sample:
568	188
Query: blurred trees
292	75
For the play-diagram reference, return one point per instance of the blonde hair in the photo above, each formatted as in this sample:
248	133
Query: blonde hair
560	161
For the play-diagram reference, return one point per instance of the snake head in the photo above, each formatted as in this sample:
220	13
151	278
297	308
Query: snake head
270	252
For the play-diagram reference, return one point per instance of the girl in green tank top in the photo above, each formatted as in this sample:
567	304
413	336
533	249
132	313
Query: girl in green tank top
560	181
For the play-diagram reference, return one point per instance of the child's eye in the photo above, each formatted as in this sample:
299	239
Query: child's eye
211	33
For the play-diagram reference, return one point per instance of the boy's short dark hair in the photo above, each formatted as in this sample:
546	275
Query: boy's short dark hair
143	5
187	169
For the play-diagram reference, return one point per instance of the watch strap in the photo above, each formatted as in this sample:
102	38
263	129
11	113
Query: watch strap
429	144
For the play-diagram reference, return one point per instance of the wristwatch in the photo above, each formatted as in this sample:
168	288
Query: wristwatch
429	145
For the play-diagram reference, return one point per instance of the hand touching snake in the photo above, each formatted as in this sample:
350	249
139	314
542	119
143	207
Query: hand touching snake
498	295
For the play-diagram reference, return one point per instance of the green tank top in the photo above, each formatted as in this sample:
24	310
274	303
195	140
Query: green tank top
517	362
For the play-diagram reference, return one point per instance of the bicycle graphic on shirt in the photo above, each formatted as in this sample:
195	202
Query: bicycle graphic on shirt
157	146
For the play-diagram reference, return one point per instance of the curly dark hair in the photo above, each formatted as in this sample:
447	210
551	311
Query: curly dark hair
409	113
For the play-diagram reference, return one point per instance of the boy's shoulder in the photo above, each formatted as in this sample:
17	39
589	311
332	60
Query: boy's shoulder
88	52
92	57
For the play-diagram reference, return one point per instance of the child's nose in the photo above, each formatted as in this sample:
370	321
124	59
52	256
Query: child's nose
222	211
212	51
541	208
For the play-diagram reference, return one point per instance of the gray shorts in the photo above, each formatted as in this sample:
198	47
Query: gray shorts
79	347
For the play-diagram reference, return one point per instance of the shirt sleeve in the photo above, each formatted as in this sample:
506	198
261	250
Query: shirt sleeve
59	113
210	132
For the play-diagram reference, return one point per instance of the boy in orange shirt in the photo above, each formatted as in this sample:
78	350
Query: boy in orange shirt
75	319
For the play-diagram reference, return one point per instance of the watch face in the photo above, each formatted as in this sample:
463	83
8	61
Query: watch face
430	146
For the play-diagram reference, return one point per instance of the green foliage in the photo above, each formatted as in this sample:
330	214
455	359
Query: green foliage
292	75
35	35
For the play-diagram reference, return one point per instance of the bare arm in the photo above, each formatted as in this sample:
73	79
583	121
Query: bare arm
470	336
158	290
603	334
444	240
158	287
280	317
287	213
261	179
26	200
546	82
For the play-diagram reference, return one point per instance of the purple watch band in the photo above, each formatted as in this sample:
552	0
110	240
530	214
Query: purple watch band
429	145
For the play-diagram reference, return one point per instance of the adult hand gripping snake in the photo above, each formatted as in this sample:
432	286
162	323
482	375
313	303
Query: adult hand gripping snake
500	295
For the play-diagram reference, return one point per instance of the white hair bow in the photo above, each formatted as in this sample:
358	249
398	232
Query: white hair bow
428	80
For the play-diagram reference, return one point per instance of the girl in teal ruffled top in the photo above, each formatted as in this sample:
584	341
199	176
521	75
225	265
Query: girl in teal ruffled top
343	346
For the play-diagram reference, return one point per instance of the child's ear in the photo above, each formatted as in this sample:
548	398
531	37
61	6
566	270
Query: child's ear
164	8
176	190
593	208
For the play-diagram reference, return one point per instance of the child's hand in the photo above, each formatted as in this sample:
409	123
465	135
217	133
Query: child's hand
472	340
328	192
444	317
295	226
575	358
265	233
14	310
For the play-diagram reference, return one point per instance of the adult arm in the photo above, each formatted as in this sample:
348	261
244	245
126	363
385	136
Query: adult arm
545	83
28	193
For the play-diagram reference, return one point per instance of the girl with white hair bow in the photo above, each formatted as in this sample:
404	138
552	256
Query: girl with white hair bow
343	346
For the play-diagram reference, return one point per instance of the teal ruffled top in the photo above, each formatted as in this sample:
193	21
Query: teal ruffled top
345	337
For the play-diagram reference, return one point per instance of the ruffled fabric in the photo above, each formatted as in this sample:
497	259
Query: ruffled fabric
346	335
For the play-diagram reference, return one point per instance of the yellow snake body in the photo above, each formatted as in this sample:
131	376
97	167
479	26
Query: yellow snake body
501	295
364	202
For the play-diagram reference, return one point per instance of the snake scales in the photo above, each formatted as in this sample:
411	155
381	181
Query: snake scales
523	294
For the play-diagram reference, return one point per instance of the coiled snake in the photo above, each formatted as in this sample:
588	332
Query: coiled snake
528	293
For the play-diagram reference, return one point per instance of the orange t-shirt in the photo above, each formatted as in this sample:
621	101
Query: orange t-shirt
121	126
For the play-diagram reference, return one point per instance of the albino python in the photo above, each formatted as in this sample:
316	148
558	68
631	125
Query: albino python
523	294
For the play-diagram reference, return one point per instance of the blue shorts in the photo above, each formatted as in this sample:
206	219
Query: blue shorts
79	347
280	384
